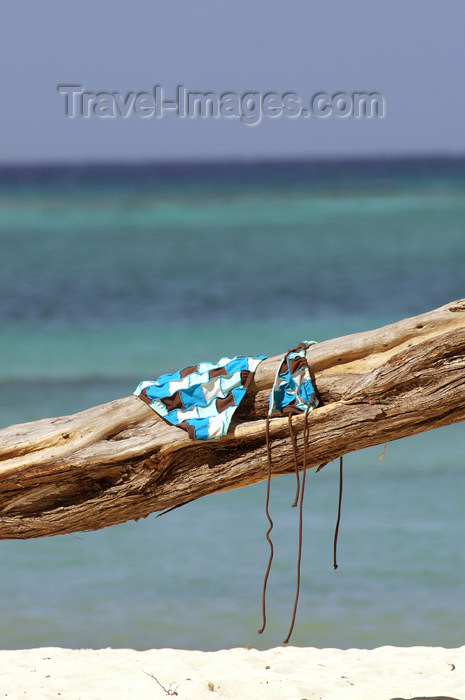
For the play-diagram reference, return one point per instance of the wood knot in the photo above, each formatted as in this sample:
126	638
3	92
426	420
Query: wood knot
65	436
457	307
151	463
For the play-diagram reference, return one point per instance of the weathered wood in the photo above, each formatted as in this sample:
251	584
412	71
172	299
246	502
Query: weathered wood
120	461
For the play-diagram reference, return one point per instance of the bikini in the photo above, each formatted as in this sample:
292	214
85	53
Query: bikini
203	398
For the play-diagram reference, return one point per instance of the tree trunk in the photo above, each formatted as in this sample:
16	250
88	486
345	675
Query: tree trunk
120	461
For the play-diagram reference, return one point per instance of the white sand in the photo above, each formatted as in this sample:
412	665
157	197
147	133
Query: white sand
290	673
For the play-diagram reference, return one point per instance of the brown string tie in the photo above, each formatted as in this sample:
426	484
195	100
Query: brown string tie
302	489
296	466
268	453
336	533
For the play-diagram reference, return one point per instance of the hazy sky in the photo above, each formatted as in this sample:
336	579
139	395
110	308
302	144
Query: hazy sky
411	51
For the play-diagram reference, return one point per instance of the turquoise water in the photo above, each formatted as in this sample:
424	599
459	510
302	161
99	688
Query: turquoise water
109	277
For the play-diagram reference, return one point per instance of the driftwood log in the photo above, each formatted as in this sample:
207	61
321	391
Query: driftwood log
120	461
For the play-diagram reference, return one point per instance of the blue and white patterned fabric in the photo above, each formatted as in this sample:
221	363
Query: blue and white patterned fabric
201	398
293	391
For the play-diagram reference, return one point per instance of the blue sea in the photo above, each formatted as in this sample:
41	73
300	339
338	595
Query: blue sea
114	274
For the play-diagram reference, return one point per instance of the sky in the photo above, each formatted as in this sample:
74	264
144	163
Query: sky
411	52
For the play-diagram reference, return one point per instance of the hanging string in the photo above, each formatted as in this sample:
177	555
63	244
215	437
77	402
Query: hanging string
338	513
299	558
268	453
296	465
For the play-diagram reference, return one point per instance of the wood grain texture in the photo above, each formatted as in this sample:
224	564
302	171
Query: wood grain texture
120	461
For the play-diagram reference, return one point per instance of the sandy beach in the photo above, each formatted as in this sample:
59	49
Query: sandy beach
291	673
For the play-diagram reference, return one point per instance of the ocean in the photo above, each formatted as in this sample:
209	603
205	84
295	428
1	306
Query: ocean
114	274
